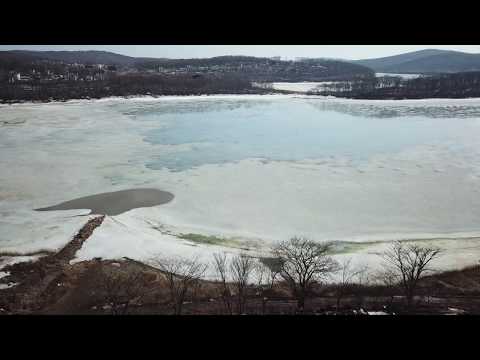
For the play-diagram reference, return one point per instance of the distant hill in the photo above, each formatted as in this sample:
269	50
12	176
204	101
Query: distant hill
429	61
266	69
82	57
62	75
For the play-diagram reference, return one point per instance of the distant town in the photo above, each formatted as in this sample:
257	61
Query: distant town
63	75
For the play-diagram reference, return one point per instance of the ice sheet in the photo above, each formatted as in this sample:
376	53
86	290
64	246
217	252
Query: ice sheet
58	152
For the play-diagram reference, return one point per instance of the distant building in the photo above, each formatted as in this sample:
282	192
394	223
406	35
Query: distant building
277	58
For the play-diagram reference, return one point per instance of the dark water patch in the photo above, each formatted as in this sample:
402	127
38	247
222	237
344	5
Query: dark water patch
115	203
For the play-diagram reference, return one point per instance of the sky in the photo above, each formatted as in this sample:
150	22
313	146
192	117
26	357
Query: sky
351	52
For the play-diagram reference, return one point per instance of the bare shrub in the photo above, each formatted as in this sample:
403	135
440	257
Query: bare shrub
349	277
267	272
121	288
303	262
241	267
390	280
274	268
181	275
220	264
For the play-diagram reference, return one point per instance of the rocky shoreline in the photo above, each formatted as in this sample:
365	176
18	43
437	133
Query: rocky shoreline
35	279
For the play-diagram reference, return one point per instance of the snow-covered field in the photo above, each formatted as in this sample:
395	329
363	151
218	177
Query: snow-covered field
301	87
403	76
427	188
305	87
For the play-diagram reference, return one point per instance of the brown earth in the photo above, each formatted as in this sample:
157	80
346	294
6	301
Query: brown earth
38	281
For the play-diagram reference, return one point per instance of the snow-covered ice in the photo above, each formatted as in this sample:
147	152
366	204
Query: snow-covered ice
300	87
427	188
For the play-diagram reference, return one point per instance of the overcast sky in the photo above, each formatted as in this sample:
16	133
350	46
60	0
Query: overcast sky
285	51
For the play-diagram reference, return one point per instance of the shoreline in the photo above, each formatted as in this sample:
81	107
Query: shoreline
139	98
286	94
53	284
337	243
133	96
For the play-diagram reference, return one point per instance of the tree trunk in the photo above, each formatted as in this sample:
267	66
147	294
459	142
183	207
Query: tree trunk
178	308
301	303
409	295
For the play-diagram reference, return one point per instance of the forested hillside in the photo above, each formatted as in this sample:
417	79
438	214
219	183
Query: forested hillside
428	61
61	75
458	85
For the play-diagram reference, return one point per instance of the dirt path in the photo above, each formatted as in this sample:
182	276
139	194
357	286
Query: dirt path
39	282
68	252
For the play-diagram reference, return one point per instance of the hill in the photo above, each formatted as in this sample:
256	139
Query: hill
248	67
62	75
263	69
81	57
429	61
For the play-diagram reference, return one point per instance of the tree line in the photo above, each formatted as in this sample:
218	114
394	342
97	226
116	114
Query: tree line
458	85
127	85
298	264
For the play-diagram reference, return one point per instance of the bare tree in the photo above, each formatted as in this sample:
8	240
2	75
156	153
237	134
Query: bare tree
267	272
389	279
363	279
409	262
241	268
274	266
221	268
262	274
181	275
349	275
303	262
121	288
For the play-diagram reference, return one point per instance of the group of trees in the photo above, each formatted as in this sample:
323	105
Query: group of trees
305	262
458	85
297	264
127	85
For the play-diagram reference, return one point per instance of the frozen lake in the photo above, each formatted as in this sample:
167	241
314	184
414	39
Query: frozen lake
250	170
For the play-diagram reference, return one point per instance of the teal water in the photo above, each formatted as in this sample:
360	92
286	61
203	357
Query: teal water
220	131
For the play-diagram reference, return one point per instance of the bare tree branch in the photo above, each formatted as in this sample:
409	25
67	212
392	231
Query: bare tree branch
409	262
